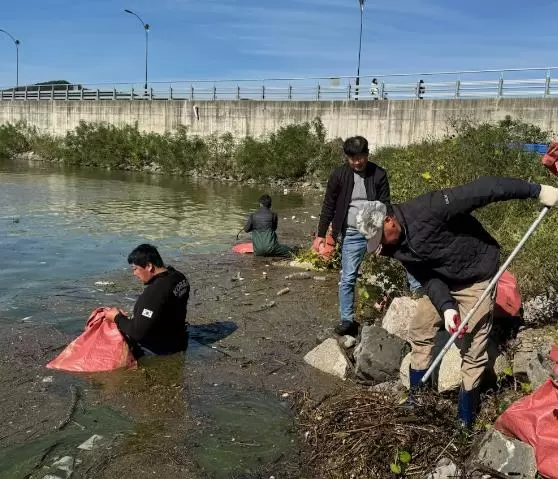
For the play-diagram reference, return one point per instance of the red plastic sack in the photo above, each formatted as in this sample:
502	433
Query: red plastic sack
243	248
101	347
324	251
507	294
550	160
534	420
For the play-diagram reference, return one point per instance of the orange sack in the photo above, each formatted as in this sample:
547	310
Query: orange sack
101	347
507	294
534	420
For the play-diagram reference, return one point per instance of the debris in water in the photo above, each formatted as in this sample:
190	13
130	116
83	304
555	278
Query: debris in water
65	464
319	278
265	306
91	443
302	275
237	277
48	379
104	283
15	220
283	291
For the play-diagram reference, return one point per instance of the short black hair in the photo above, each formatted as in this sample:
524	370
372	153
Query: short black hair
355	146
144	254
265	200
389	210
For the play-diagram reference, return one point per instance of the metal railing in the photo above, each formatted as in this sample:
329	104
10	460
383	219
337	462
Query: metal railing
509	83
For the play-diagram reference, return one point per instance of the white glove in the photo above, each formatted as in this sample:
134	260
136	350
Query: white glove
549	196
453	320
449	319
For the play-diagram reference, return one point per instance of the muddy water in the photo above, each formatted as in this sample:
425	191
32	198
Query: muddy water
58	228
221	410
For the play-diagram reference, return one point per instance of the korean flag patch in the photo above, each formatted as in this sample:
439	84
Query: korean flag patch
147	313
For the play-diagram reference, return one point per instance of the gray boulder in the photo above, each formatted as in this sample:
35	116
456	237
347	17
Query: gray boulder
399	315
329	358
527	367
507	456
379	354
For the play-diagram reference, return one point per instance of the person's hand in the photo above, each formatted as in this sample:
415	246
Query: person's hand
549	196
452	321
111	313
318	243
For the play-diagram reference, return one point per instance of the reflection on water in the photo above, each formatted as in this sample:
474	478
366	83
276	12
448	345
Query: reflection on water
60	226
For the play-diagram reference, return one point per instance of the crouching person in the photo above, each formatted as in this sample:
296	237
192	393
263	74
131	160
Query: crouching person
158	323
454	258
263	226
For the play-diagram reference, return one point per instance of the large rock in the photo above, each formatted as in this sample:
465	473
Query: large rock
399	315
507	456
379	354
528	367
329	358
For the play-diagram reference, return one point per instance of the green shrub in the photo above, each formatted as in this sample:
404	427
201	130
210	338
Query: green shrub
13	140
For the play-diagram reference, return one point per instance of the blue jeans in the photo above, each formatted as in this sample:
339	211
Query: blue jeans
352	254
414	285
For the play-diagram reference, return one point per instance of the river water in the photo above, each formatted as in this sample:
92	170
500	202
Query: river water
64	232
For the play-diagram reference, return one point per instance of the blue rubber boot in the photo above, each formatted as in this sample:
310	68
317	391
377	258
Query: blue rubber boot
415	384
467	407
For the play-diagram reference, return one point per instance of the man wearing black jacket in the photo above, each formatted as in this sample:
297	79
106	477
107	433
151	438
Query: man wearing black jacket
349	186
158	323
263	226
453	257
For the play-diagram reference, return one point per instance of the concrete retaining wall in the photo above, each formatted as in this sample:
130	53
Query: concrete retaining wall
382	122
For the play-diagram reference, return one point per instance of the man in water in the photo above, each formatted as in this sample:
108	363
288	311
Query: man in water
158	323
454	258
263	225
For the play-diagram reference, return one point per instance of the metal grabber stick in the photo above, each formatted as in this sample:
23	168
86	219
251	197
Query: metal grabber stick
485	294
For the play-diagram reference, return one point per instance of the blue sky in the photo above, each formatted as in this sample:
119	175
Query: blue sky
90	41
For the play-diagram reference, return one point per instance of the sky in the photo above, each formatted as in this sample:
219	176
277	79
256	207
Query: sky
93	41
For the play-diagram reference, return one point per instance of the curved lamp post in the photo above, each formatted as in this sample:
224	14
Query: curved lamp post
146	28
361	3
16	43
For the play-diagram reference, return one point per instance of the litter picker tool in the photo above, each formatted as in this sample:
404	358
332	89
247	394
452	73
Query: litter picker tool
550	161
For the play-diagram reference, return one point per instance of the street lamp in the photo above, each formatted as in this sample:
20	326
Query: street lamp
361	2
16	43
146	28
